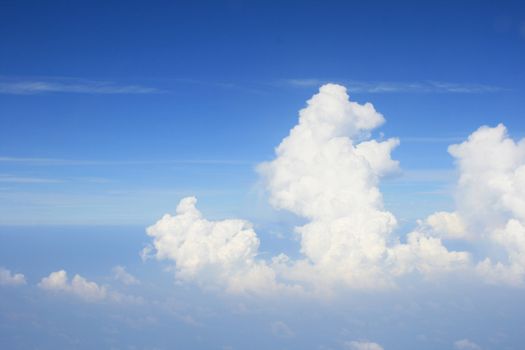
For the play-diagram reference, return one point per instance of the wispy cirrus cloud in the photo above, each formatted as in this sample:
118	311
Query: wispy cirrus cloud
423	175
33	86
22	179
59	161
70	85
433	139
26	180
356	86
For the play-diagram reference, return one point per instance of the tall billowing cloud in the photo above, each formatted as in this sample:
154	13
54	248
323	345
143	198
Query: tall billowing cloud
490	200
327	171
323	175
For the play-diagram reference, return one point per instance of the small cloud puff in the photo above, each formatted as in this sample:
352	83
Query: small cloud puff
79	286
9	279
465	344
84	289
362	345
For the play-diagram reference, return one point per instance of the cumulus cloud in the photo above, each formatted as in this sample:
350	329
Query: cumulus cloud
490	203
120	274
362	345
7	278
426	255
321	174
327	171
217	254
82	288
465	344
78	286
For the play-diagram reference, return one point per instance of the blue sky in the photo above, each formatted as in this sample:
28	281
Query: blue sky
112	112
137	99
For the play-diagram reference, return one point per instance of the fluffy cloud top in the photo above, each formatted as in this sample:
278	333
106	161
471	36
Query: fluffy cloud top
9	279
79	286
447	225
320	173
327	171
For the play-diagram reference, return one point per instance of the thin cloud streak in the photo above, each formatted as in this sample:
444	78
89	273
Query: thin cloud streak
26	180
423	175
429	139
78	86
354	86
57	161
82	86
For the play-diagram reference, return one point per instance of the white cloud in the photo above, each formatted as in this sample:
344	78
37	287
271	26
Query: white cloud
362	345
79	286
82	288
490	200
323	175
327	171
120	274
9	279
465	344
217	254
426	255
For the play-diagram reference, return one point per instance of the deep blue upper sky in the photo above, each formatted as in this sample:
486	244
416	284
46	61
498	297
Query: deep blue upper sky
474	41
